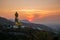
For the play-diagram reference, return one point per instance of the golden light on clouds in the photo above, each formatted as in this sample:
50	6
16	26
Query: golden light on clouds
30	9
32	14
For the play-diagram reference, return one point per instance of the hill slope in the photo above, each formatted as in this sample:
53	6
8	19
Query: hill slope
4	21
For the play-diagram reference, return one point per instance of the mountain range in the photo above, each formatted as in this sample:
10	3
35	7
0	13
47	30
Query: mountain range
25	23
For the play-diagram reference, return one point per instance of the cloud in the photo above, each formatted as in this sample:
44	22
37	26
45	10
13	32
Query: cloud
49	18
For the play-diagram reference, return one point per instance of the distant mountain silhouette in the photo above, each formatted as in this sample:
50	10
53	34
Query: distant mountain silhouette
25	23
4	21
56	27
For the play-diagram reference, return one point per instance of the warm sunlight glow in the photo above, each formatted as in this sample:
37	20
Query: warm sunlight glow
30	18
27	10
32	10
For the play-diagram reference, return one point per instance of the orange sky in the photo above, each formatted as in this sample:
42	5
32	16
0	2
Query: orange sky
32	10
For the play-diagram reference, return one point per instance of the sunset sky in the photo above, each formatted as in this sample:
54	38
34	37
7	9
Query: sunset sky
37	11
